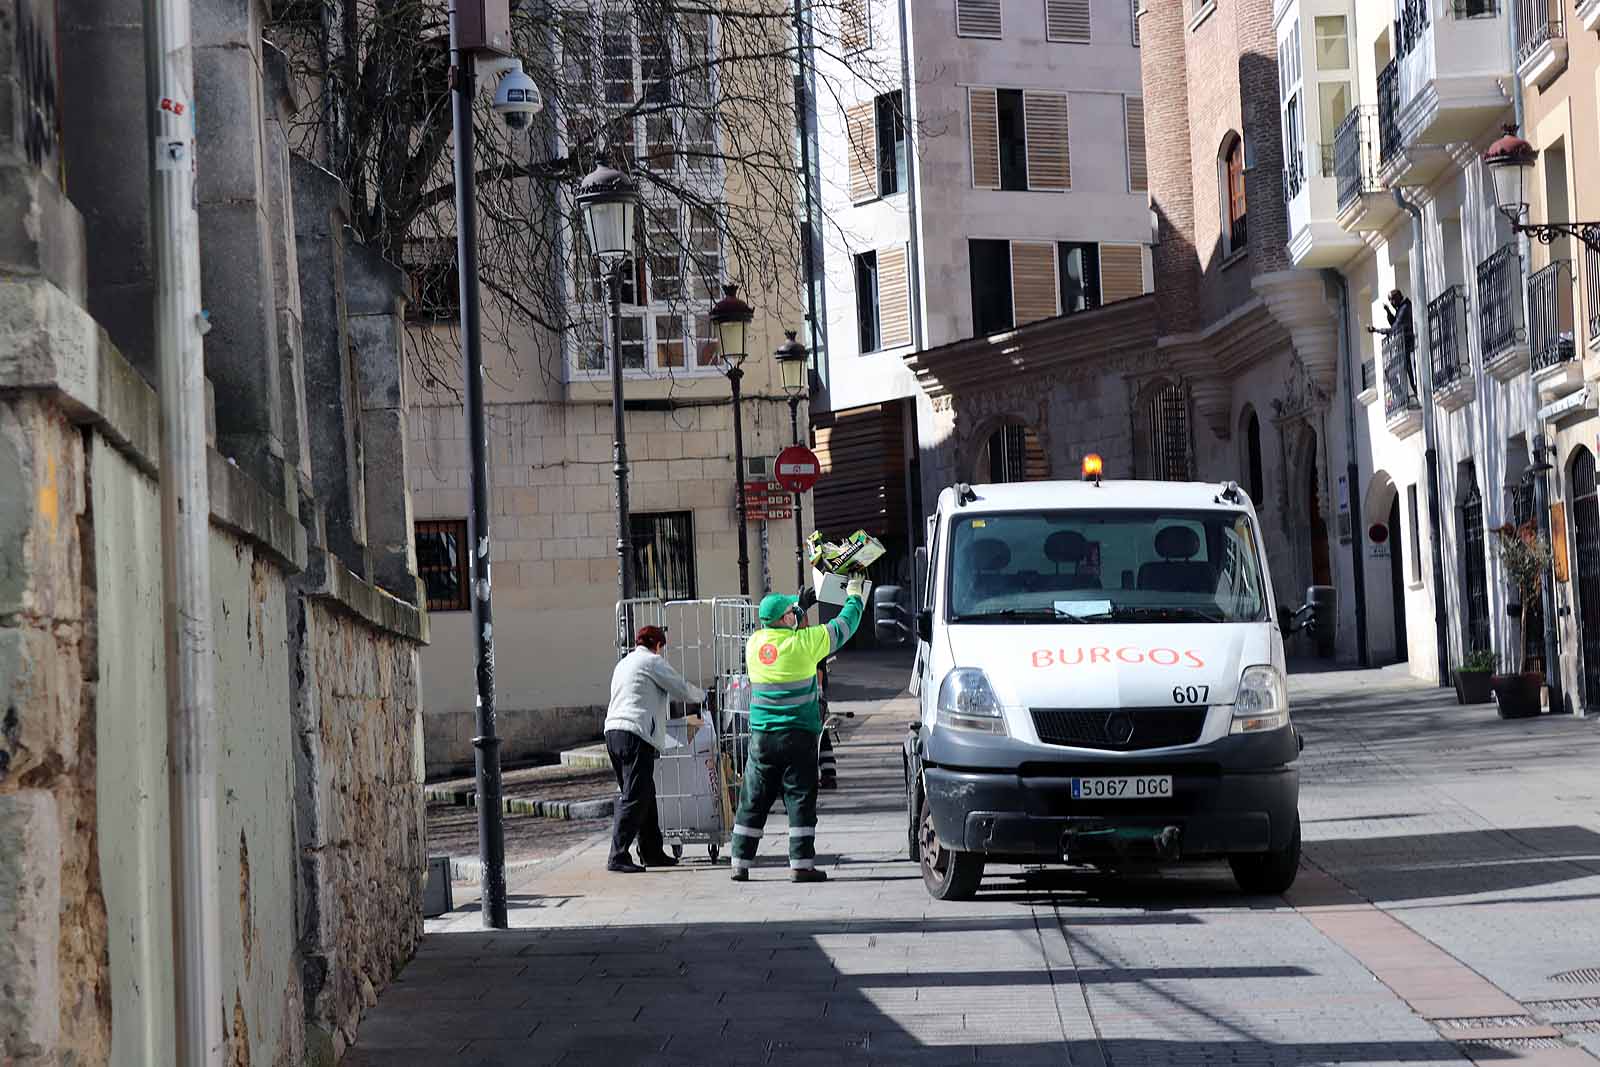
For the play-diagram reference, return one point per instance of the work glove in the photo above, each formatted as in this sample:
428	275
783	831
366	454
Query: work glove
808	600
856	587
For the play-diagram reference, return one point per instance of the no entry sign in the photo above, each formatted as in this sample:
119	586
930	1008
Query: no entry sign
797	469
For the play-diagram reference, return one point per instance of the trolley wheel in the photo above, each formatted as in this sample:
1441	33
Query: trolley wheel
714	852
677	851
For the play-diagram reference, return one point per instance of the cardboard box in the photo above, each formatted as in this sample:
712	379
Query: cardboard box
830	588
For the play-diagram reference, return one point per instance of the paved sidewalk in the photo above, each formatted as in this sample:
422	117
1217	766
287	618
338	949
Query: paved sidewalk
1485	894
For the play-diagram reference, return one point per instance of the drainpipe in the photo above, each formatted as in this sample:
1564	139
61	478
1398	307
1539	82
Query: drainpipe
1538	451
1353	467
913	241
1419	274
185	537
802	100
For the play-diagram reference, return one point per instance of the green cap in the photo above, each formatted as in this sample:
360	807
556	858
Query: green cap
775	605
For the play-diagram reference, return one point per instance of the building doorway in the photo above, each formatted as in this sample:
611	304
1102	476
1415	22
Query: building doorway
1586	535
1321	563
1397	582
1474	563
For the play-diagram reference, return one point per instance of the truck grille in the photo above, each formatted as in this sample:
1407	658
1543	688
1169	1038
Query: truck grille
1119	729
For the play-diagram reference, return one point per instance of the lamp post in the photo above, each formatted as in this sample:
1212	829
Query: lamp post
609	201
731	317
791	357
1509	162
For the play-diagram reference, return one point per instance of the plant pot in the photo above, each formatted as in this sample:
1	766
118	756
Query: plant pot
1472	687
1517	694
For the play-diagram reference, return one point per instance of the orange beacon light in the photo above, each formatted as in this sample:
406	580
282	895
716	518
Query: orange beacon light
1092	467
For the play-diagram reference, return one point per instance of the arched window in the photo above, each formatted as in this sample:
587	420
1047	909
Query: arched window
1252	447
1230	179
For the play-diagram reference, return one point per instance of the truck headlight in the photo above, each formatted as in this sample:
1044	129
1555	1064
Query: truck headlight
1263	701
967	702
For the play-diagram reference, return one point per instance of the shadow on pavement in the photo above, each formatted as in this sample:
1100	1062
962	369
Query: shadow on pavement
1461	863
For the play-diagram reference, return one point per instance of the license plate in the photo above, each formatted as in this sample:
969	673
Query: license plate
1144	787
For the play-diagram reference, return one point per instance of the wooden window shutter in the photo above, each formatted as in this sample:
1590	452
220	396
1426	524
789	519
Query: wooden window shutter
1133	124
861	126
894	305
1045	122
855	26
984	131
1121	272
1033	281
978	18
1067	20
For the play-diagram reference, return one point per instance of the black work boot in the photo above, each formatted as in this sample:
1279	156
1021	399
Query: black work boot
740	874
808	874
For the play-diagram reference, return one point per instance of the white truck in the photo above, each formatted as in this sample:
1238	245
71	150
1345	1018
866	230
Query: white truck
1101	680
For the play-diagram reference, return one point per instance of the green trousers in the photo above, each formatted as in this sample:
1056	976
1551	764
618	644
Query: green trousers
781	763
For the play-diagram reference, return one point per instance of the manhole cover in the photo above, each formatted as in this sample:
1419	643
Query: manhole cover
1485	1022
1580	976
1515	1042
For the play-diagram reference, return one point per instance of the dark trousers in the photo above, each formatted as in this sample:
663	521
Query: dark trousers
634	761
781	763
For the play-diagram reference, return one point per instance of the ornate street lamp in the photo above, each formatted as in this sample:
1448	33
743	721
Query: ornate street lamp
791	357
610	201
732	318
1510	163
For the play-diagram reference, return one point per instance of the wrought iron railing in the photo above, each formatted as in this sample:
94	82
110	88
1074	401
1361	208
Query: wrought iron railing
1352	155
1550	315
1399	380
1389	112
1538	23
1294	172
1411	25
1447	336
1499	302
1369	375
1591	280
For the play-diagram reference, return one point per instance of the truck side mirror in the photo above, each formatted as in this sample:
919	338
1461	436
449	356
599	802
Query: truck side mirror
919	575
889	623
925	624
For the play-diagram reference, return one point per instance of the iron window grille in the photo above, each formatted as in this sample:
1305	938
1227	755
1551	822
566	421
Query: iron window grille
1389	112
1399	381
1352	155
1447	335
442	564
1591	277
1475	563
663	554
435	280
1165	434
1538	23
1499	303
1294	173
1550	315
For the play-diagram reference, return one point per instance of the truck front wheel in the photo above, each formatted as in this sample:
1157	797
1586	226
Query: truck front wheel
1268	873
949	875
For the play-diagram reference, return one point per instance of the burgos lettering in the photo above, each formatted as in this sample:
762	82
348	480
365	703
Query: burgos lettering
1160	657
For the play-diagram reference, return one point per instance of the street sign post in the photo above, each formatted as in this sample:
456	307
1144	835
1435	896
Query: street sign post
797	469
767	502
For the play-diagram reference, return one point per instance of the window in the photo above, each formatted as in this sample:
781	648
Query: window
1019	139
1161	432
1133	140
1121	272
1415	538
891	131
1067	21
991	286
442	564
1080	275
978	18
663	554
1334	103
855	25
1333	42
1234	230
861	130
1012	130
867	301
1134	4
1256	483
436	284
1293	147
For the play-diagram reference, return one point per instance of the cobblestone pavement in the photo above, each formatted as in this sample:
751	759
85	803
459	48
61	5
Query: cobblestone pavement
1452	863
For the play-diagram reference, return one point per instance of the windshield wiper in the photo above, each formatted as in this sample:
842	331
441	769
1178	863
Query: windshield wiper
1167	614
1014	614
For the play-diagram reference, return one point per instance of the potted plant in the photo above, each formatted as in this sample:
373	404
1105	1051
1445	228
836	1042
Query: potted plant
1525	556
1472	677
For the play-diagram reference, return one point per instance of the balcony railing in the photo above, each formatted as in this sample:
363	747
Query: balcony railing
1352	155
1294	172
1538	23
1398	381
1591	278
1499	303
1389	112
1550	315
1447	336
1410	27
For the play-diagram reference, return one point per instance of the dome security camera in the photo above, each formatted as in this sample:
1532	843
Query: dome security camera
516	97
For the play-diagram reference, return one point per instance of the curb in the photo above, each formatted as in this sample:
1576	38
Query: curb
591	757
548	809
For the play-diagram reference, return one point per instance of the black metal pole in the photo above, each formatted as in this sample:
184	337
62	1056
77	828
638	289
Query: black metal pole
486	746
799	518
734	376
619	440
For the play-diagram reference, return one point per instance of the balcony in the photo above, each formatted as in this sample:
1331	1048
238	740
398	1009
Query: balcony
1447	337
1369	381
1401	408
1557	372
1317	238
1591	278
1362	202
1542	36
1588	14
1505	345
1389	145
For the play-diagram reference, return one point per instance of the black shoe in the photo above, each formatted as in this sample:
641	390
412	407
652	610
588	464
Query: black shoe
624	867
808	874
740	874
828	781
661	860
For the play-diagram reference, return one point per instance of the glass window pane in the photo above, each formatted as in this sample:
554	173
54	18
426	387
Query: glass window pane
632	342
669	340
1335	104
619	68
706	342
1333	43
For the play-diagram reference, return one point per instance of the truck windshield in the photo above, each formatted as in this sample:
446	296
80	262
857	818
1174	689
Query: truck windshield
1144	566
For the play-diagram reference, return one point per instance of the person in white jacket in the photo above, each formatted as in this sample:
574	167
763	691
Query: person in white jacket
643	687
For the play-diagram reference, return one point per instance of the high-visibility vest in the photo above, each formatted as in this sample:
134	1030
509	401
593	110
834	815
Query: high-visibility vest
783	670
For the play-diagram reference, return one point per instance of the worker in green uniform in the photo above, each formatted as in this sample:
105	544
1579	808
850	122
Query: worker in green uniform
785	719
